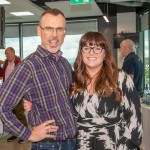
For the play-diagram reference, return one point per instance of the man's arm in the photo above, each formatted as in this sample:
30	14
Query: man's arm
128	67
42	131
10	93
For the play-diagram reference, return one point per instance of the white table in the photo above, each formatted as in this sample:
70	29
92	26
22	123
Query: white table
146	127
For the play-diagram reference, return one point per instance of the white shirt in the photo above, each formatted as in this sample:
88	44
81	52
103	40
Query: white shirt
10	67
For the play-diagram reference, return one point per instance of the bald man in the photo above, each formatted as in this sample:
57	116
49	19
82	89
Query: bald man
8	66
132	64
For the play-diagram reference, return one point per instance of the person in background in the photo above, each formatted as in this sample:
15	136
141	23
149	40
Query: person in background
8	66
132	64
104	98
44	78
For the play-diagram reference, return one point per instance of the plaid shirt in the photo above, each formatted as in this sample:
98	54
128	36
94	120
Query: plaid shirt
44	81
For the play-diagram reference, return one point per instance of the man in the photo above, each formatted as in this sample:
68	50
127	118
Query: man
132	64
44	77
8	66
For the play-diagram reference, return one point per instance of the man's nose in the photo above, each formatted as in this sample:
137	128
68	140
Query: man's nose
54	33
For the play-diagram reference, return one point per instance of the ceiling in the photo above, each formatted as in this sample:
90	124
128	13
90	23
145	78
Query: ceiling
96	8
21	5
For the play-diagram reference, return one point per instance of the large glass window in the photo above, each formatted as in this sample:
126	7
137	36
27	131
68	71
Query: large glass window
24	39
30	44
70	50
146	58
2	54
30	39
11	40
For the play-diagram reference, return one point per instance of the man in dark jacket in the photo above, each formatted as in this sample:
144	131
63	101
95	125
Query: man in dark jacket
8	66
132	64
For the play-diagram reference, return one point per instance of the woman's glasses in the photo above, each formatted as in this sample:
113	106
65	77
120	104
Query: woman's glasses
96	50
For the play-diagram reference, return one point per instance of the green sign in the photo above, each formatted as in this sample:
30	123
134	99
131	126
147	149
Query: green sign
77	2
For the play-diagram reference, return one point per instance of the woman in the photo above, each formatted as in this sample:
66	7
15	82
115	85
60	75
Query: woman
106	102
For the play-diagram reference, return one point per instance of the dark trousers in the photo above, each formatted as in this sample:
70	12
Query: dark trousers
69	144
18	111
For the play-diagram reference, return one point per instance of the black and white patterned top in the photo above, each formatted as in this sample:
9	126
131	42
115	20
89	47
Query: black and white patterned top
104	124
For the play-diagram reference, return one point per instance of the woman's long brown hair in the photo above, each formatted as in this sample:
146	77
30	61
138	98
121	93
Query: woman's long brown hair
106	79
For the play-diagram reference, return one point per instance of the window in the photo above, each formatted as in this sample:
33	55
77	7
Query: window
146	58
30	39
11	40
70	50
24	39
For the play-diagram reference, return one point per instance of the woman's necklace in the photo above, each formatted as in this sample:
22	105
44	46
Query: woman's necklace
91	85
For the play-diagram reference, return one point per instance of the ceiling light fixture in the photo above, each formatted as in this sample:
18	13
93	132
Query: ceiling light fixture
106	19
3	2
25	13
105	14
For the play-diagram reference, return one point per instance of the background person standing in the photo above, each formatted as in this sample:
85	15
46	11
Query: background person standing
132	64
8	66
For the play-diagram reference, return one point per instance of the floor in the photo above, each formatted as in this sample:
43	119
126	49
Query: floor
4	145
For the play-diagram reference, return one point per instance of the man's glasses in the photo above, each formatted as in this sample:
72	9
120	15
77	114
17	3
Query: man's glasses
96	50
50	30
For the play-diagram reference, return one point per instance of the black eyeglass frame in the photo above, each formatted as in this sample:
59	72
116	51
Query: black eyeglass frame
92	48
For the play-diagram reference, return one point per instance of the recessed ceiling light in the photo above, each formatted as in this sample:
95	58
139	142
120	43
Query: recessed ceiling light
24	13
3	2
